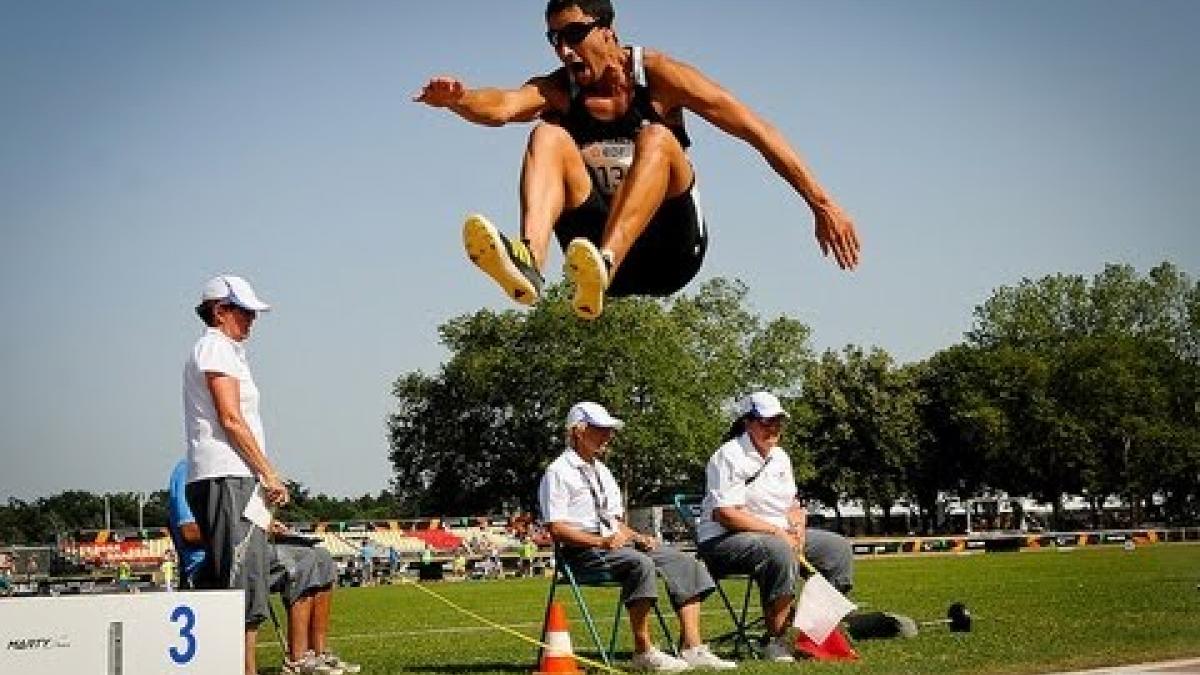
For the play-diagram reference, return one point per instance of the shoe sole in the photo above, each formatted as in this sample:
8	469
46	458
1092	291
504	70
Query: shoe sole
586	270
485	247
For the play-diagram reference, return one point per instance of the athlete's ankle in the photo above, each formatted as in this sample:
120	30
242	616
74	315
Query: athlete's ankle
609	259
533	258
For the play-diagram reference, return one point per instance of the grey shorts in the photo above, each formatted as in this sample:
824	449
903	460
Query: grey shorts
685	576
771	561
299	570
237	555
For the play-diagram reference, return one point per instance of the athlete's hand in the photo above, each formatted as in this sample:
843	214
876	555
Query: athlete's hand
441	92
836	232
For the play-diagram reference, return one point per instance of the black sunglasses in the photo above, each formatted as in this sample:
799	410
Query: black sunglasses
572	33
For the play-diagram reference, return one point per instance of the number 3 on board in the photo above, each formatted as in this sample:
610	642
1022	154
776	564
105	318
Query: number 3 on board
184	613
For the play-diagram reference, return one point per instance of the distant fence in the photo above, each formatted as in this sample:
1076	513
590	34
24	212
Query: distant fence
1016	541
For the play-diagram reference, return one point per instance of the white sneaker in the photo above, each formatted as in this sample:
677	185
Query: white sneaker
309	665
660	661
777	649
335	661
701	656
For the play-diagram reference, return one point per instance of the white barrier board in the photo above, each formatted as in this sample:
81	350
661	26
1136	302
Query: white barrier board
123	634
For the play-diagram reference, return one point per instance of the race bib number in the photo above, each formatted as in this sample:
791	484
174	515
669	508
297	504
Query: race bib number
608	162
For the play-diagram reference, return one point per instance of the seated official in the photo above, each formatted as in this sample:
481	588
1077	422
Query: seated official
581	505
752	524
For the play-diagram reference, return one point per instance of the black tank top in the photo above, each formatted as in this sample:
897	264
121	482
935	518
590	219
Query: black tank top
586	129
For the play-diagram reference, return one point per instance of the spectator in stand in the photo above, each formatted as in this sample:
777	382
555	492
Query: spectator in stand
528	551
581	503
125	577
226	450
495	567
6	571
303	575
458	567
367	551
393	561
167	570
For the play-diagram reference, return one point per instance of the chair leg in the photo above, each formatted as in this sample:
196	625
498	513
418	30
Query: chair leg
662	625
587	618
279	634
616	627
742	623
739	634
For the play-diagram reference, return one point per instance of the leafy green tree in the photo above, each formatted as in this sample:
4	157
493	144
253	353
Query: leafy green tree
480	432
864	429
1047	314
1110	369
962	428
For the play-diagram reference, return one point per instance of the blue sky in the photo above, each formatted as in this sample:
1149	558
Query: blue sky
145	146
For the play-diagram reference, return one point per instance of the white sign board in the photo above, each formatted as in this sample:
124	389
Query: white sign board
123	634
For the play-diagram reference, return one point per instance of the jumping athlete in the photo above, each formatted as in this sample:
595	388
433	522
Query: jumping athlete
606	169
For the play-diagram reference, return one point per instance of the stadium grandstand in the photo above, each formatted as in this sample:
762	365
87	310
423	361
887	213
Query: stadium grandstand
986	523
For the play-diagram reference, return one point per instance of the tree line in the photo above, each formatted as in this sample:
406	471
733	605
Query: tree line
1065	385
69	513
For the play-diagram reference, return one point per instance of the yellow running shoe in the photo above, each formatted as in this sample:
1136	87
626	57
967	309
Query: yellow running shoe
509	263
588	270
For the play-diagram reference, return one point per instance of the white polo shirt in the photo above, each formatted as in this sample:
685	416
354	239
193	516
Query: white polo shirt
565	496
209	452
769	496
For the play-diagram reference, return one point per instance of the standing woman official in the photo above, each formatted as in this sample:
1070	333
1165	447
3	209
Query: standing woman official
226	450
752	524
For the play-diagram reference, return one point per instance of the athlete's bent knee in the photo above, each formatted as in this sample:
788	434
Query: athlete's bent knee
549	133
657	136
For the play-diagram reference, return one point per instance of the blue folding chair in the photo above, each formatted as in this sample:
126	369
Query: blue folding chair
688	506
564	575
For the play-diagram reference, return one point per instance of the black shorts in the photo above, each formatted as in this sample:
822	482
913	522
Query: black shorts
662	261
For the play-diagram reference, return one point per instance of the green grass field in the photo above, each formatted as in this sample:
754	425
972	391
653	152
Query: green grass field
1034	612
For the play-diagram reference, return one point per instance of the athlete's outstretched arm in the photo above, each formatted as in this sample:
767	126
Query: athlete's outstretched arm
684	86
488	106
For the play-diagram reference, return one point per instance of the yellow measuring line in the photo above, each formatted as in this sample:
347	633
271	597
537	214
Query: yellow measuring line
506	629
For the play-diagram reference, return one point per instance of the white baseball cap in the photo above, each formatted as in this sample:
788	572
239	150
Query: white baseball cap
592	414
234	289
762	405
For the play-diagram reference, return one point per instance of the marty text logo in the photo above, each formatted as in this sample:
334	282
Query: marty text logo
38	643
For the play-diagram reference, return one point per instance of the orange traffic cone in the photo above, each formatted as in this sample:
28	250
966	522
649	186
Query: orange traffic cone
557	655
836	647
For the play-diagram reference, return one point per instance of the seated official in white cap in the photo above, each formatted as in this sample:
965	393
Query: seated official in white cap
752	523
581	506
226	449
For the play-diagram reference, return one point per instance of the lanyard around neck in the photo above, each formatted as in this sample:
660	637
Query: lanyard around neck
762	468
601	507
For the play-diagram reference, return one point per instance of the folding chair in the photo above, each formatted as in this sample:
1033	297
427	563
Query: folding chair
563	574
688	507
